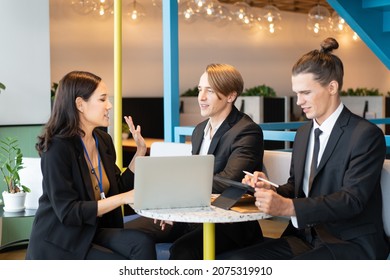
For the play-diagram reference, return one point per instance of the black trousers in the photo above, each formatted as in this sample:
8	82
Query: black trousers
121	244
293	248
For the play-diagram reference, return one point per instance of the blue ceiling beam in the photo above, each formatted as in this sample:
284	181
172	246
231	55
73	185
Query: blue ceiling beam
375	4
368	24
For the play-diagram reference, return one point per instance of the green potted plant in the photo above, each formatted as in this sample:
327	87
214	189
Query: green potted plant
189	101
191	92
262	104
189	107
2	87
366	102
53	91
361	92
125	131
262	90
11	162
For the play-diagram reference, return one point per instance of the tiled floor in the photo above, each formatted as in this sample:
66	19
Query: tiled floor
271	228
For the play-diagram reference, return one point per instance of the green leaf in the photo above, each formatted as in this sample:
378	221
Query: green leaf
262	90
11	162
53	89
191	92
361	92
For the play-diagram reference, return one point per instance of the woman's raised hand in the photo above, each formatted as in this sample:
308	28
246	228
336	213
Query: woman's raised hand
137	136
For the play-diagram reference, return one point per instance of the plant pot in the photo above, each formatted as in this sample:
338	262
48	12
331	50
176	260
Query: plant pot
14	202
190	111
376	105
125	135
265	109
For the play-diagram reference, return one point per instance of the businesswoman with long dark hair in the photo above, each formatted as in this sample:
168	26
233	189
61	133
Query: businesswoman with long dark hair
79	214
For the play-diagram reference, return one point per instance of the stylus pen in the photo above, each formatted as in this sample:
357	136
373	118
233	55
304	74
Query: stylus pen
262	179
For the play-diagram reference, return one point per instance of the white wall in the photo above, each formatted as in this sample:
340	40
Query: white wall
81	42
25	62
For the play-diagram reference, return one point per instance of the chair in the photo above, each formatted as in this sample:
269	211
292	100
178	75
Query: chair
159	149
31	177
276	165
385	184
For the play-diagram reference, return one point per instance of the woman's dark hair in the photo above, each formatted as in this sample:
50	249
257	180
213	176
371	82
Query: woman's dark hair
64	120
324	65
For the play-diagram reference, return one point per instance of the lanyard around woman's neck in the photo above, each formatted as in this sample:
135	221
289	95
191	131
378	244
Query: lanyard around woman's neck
100	182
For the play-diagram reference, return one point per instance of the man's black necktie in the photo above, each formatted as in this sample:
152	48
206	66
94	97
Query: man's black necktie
313	168
314	161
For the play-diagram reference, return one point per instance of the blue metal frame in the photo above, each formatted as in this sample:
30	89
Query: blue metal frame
181	132
171	68
272	131
281	125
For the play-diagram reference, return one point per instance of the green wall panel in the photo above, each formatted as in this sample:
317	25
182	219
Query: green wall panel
16	229
26	135
19	228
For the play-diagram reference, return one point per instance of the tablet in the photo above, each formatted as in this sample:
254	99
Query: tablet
232	183
231	194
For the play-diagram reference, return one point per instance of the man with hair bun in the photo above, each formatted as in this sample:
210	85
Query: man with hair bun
335	204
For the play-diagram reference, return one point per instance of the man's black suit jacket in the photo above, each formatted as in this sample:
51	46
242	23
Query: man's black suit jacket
237	145
345	202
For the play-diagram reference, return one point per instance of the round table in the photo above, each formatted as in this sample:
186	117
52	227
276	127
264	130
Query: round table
206	215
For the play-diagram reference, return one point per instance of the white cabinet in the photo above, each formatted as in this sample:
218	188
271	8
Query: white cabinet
260	109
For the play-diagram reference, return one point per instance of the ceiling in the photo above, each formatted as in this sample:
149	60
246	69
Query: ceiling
302	6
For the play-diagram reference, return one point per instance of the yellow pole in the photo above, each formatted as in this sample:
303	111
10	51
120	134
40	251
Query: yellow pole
118	81
208	241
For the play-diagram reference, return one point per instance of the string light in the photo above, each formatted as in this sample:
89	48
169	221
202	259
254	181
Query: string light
318	19
83	7
355	37
188	11
338	24
267	18
103	9
239	10
135	12
272	18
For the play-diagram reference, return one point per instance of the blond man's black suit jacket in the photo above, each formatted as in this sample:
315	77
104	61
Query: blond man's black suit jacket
344	203
237	145
65	222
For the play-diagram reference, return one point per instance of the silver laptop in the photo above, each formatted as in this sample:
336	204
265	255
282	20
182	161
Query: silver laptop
173	182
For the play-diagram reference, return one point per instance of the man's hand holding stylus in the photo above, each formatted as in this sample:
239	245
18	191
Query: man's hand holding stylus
267	199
